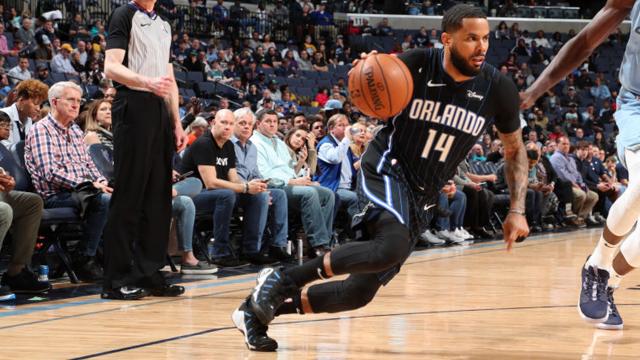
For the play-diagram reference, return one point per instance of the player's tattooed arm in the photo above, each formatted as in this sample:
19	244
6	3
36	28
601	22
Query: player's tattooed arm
515	168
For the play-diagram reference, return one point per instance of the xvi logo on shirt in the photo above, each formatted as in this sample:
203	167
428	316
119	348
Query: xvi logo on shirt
221	161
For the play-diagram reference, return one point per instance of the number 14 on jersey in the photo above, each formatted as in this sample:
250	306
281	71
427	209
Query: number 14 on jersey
442	145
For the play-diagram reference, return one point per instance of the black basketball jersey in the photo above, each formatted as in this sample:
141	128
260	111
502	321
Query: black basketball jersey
444	119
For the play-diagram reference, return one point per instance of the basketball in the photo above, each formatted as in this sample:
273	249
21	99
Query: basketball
380	86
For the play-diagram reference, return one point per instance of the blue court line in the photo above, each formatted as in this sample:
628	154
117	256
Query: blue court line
100	301
339	318
420	253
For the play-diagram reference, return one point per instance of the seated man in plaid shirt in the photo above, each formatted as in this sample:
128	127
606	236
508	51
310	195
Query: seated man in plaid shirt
58	162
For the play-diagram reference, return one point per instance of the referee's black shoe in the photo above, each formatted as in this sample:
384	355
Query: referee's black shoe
272	288
255	334
124	293
166	290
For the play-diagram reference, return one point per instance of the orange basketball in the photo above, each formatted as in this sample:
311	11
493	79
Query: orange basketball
381	86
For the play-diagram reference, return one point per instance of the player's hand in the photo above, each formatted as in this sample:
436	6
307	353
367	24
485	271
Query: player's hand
181	138
160	86
515	227
363	56
526	100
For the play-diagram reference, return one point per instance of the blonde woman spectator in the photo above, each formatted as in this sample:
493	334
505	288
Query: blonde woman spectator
358	141
97	124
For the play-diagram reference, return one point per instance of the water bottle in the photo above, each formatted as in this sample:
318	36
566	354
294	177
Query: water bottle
300	251
43	273
210	247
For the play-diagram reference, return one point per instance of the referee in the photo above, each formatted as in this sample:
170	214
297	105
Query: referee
147	131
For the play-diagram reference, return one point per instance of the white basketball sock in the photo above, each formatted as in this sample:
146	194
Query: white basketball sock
603	254
614	278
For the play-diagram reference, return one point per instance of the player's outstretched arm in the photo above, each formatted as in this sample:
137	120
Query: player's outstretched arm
574	52
516	174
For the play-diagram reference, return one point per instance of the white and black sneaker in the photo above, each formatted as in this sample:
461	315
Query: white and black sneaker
255	333
269	293
6	294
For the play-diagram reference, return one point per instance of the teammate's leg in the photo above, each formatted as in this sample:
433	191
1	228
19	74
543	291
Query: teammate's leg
607	262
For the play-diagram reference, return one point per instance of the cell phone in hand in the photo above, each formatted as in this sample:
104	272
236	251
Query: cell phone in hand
181	177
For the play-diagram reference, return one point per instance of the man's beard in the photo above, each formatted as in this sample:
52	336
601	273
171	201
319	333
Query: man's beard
462	64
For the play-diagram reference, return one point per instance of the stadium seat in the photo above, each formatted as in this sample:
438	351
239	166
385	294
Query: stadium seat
55	222
57	77
206	89
11	61
195	77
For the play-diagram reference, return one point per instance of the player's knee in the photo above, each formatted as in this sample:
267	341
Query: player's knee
360	293
630	249
395	249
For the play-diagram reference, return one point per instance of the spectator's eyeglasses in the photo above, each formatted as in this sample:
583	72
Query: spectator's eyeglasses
71	100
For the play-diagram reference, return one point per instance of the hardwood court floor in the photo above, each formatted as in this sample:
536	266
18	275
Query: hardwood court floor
476	302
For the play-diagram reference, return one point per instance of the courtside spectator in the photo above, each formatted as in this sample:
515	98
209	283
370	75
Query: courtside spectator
314	202
26	109
64	174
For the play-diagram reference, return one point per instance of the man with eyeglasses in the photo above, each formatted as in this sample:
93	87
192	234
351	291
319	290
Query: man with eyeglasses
59	164
30	94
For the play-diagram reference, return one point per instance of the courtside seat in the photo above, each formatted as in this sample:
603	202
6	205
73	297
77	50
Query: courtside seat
55	222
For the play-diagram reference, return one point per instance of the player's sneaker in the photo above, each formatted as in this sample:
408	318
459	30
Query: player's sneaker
614	321
269	293
594	305
255	334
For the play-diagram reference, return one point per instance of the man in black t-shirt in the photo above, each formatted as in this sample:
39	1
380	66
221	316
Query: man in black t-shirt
146	132
212	159
456	97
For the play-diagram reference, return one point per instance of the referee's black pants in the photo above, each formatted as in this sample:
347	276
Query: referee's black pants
137	232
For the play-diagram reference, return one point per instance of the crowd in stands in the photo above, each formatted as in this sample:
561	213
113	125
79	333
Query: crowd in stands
274	139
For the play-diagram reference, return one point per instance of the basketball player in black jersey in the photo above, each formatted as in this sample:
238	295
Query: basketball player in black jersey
456	97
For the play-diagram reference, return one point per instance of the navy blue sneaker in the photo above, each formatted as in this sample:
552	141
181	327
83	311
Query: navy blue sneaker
255	334
268	294
594	304
614	321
